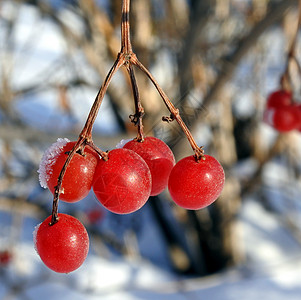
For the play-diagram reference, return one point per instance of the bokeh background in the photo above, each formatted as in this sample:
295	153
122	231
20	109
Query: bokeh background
217	61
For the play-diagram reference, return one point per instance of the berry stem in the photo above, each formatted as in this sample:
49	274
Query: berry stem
126	49
174	112
123	57
139	111
58	188
87	130
126	46
79	147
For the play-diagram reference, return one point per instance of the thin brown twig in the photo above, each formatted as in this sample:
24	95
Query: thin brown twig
139	110
292	48
58	187
175	115
286	81
87	130
126	46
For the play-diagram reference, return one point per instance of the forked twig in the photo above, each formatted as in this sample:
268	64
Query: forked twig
126	57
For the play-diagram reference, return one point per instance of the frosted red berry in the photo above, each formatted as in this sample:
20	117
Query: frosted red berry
122	183
63	246
196	184
159	159
77	181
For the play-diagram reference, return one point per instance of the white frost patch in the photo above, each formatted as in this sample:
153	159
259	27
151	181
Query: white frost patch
122	143
48	159
35	236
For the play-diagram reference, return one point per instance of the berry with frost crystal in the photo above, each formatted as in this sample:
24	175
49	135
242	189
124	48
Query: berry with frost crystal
77	181
48	159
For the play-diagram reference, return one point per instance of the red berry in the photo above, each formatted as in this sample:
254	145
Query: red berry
159	159
95	215
64	246
283	119
77	181
123	182
297	107
279	98
195	185
5	257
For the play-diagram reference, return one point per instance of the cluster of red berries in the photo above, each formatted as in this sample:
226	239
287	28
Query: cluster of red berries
122	184
281	112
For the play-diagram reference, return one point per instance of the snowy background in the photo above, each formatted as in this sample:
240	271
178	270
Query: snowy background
37	60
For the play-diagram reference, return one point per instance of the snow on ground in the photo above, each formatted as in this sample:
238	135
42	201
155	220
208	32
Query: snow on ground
272	270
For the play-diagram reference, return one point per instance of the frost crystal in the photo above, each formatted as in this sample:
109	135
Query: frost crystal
35	236
122	143
48	159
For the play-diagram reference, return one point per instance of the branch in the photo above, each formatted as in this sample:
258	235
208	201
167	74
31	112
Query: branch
175	115
230	64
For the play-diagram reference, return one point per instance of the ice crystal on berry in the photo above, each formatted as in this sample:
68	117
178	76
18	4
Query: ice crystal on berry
122	143
35	236
49	158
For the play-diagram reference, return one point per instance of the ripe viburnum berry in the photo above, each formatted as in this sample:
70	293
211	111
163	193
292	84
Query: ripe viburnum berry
280	112
5	257
159	159
63	246
122	183
298	109
77	181
279	99
196	184
283	119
